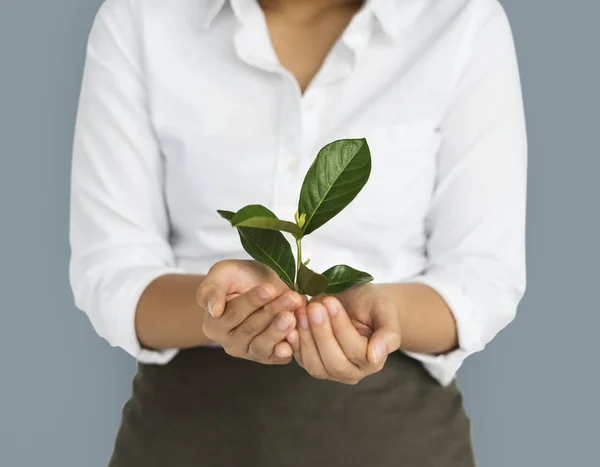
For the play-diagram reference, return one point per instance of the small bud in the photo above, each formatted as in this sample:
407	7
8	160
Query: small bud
302	220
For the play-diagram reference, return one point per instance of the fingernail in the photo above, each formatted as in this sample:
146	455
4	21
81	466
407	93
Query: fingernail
316	315
292	337
265	293
284	352
302	321
212	302
379	351
291	301
283	324
332	307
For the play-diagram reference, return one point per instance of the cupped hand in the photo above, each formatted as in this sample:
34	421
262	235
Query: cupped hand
249	311
347	338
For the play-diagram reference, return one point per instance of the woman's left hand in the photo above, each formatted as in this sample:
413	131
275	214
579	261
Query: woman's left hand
347	337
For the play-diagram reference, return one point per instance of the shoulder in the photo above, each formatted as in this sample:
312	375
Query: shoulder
137	10
157	18
145	8
469	14
113	16
483	14
115	9
459	23
477	10
127	18
480	24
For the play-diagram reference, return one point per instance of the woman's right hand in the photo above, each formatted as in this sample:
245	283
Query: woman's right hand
249	311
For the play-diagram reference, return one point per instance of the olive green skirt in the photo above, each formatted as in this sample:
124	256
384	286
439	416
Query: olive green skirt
206	408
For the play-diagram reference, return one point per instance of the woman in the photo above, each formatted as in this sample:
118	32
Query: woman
189	106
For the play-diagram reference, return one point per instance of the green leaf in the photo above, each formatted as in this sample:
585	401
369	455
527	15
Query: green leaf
253	216
337	175
342	277
252	210
270	224
310	282
268	247
227	215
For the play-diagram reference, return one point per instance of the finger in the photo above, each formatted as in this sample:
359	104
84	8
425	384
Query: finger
283	351
293	340
262	346
288	301
309	354
333	357
239	308
260	320
386	338
317	298
352	343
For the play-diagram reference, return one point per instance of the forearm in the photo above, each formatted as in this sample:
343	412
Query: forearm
168	315
427	323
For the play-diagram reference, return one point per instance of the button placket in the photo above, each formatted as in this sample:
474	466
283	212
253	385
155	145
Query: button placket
288	164
310	108
293	166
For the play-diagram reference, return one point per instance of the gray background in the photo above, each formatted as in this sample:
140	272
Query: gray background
532	395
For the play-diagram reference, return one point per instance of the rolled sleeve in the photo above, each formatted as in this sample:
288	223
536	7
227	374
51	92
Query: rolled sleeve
110	296
444	367
476	221
119	226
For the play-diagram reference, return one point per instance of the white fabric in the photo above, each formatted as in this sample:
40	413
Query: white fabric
185	109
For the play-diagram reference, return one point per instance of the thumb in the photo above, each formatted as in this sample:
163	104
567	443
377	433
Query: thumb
212	296
383	342
386	337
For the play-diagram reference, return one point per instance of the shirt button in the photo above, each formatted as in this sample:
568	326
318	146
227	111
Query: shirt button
293	165
311	101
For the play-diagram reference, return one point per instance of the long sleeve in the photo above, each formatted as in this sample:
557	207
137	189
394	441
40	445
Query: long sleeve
476	221
119	225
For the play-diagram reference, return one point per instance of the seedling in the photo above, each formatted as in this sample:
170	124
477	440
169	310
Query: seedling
338	173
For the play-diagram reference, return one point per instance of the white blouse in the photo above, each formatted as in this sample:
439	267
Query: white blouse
185	109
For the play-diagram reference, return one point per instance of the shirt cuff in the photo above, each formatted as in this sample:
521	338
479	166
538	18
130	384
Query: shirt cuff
125	335
444	367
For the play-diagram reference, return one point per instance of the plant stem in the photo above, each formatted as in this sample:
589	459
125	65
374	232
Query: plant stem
299	246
